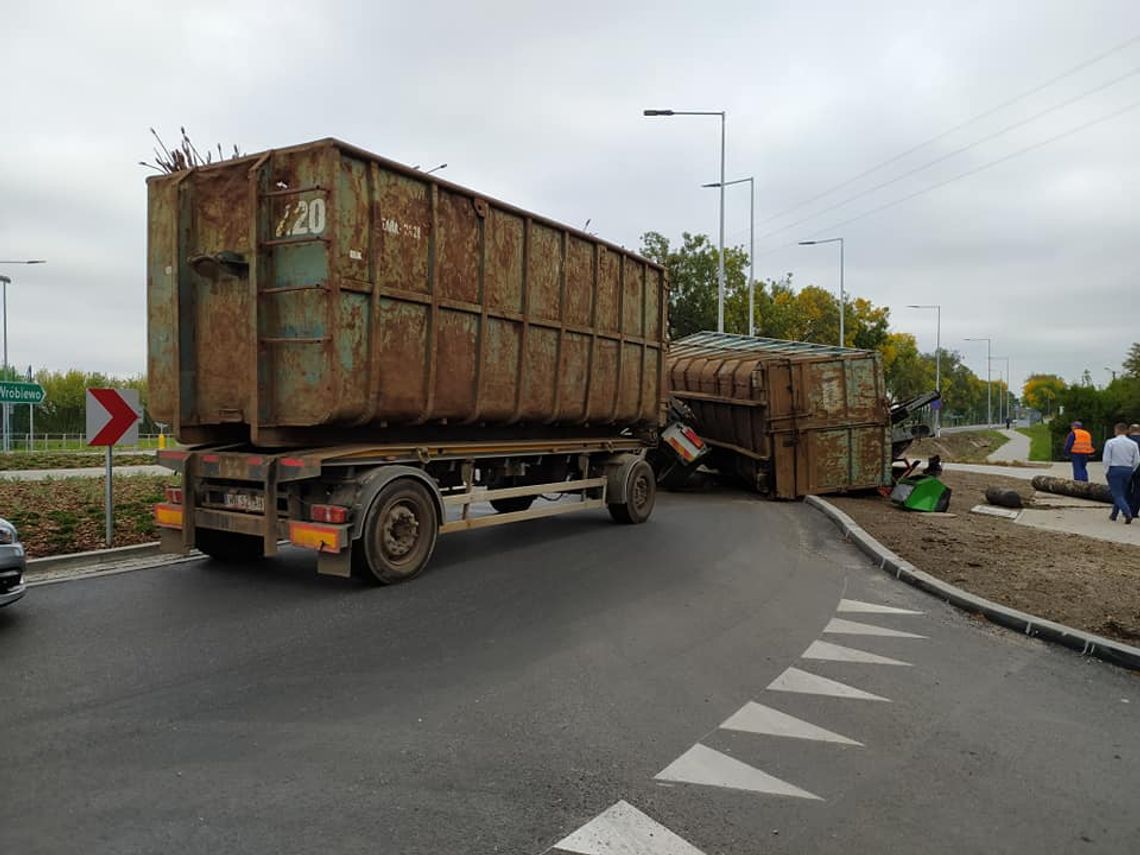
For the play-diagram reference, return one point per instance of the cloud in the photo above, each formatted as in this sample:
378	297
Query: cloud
541	106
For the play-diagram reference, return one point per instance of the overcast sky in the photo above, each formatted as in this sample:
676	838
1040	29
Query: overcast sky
540	104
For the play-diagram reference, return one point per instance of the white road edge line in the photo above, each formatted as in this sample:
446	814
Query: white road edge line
829	652
806	683
851	627
706	767
622	829
860	607
757	718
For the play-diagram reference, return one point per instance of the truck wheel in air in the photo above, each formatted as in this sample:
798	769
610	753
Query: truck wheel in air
513	504
399	534
640	494
229	547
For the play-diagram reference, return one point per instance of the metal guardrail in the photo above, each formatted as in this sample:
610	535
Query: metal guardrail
74	442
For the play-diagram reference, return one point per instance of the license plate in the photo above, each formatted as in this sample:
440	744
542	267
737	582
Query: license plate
244	502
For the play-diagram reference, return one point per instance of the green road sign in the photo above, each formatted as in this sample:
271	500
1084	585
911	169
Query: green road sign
21	393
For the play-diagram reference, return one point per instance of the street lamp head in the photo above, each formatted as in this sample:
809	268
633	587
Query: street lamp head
657	112
808	242
714	184
5	280
33	261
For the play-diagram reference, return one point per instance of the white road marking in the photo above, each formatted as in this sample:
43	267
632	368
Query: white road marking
701	765
795	680
624	830
829	652
850	627
872	608
757	718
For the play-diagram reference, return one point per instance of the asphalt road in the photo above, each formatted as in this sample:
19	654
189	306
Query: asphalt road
526	691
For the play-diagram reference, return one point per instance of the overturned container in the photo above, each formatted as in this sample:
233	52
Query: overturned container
322	294
789	418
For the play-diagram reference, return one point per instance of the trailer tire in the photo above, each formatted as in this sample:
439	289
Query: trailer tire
640	494
512	505
229	547
399	534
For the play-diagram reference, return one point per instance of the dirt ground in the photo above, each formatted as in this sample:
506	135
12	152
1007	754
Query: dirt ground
967	447
1089	584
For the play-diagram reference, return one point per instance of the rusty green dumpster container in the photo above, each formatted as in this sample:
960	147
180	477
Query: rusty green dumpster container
323	294
790	418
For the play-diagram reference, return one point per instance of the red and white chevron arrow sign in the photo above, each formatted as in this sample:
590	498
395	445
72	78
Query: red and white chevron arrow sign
113	416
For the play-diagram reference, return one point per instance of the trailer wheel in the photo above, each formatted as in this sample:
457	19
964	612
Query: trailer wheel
513	504
229	547
640	494
399	533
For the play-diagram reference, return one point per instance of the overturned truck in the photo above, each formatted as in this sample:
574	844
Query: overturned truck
787	418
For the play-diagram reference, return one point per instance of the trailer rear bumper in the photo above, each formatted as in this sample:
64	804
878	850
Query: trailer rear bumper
322	537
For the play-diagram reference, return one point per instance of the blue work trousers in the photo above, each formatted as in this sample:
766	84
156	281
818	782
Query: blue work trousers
1080	467
1119	480
1136	493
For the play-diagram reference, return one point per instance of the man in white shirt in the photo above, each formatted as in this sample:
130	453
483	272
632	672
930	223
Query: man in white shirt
1121	458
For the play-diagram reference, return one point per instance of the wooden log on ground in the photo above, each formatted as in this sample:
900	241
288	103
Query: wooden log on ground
1004	497
1077	489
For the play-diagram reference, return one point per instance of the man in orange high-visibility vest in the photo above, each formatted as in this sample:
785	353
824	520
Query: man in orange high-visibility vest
1079	447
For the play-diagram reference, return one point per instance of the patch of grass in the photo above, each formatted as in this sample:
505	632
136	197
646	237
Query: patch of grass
1040	441
16	460
63	515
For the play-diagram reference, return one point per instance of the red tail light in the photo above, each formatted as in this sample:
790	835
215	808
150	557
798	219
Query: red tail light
174	495
328	513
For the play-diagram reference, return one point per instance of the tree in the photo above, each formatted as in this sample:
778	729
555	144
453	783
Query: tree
1042	392
1132	360
692	272
908	372
781	311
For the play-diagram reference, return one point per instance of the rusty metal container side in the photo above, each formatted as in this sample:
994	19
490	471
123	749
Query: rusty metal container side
321	292
799	418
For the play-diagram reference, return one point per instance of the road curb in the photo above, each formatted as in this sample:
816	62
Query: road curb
95	557
1088	644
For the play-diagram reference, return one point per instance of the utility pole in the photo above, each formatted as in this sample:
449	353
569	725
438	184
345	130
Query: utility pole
989	384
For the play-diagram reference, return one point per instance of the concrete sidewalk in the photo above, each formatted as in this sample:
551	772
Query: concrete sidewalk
1077	516
1030	471
1014	451
1062	513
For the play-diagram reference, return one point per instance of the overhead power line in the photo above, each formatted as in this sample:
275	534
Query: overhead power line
985	114
954	153
990	164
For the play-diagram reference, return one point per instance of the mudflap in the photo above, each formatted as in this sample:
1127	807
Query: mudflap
335	563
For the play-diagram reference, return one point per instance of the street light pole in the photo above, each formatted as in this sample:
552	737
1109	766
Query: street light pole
751	245
842	293
1003	408
720	257
989	384
937	359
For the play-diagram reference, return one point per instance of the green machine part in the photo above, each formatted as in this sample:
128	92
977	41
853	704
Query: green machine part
921	493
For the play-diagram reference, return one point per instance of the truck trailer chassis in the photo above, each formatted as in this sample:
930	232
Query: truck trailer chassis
375	511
